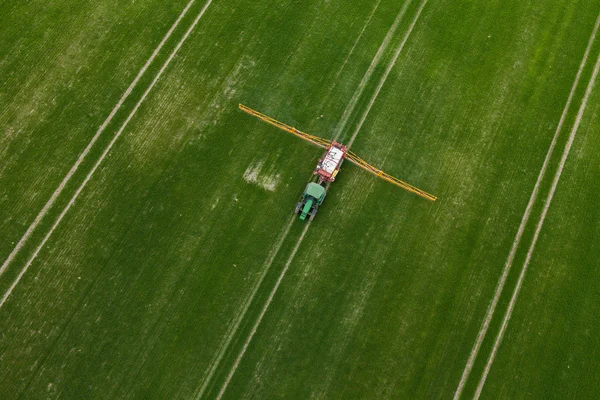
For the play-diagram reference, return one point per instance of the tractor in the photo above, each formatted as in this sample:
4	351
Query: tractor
329	166
311	199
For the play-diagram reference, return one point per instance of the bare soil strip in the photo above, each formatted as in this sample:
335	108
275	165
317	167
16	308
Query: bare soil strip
103	156
499	288
86	151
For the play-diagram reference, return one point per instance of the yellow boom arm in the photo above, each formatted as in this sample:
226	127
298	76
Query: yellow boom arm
350	156
356	160
313	139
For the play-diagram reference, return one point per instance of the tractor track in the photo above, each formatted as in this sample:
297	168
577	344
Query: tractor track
263	311
99	161
501	283
88	148
386	74
540	224
346	116
374	63
240	317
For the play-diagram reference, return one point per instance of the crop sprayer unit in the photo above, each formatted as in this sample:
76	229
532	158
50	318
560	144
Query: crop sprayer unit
328	167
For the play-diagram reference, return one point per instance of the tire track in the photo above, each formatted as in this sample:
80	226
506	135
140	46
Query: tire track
359	37
88	148
387	73
234	328
499	288
374	63
538	229
231	332
263	312
103	156
345	118
362	32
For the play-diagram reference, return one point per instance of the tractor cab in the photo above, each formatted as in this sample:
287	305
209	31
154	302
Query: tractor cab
313	196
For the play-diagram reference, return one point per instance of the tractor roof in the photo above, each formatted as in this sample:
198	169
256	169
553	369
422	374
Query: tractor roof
315	190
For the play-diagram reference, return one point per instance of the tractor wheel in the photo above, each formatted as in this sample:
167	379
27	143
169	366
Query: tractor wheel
312	215
298	208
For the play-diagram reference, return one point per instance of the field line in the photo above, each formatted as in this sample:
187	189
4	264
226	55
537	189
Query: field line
301	238
263	312
362	32
104	153
363	83
75	166
232	331
234	328
557	176
387	73
499	288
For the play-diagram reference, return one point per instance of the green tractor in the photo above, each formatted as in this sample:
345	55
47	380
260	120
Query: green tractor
313	196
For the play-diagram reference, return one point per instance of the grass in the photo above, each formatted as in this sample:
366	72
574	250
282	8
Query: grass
137	290
65	68
560	291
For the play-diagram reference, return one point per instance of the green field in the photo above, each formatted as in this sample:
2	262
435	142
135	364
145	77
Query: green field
148	244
